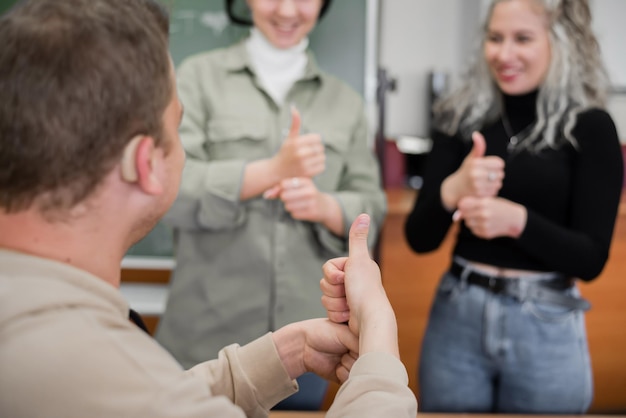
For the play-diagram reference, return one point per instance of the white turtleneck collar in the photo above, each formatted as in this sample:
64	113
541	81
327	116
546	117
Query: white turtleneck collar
277	69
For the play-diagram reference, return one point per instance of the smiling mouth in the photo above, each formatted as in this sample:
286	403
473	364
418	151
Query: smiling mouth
283	28
508	75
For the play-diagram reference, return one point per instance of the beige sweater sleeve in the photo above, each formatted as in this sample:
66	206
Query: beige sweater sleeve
254	379
252	376
377	387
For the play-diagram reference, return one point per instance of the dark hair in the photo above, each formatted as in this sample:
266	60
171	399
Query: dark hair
79	79
240	20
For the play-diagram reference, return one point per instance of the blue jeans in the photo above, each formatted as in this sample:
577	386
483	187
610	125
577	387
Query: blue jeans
310	396
484	352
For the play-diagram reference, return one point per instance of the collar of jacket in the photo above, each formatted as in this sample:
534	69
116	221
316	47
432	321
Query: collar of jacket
237	60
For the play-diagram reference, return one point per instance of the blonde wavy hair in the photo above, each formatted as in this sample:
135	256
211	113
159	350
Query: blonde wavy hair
576	81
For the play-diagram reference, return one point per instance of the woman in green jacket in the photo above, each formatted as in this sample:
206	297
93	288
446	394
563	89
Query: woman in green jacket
278	164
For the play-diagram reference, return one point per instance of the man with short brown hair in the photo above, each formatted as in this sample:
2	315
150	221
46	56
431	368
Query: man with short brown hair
90	159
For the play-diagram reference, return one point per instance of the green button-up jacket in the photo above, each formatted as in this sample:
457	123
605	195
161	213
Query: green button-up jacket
246	267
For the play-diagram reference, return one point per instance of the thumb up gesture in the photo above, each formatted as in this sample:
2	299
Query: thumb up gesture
300	155
353	291
478	175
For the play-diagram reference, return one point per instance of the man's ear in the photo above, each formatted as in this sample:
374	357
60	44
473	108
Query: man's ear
139	164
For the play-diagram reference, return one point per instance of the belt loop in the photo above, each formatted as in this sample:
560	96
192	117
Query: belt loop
523	287
463	277
465	271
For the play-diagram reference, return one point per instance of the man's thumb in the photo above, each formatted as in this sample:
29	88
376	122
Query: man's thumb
357	244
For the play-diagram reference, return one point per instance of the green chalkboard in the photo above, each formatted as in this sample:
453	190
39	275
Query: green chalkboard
5	5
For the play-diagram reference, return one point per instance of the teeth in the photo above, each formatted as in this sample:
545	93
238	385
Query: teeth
285	27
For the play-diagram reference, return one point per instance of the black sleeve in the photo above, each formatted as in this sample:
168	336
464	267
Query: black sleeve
582	248
428	222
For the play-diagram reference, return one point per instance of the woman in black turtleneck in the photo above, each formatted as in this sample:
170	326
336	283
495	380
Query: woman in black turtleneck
529	164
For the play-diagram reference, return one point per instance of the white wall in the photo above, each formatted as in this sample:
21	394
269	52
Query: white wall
417	36
608	23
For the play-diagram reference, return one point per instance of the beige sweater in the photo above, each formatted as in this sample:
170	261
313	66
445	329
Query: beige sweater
67	350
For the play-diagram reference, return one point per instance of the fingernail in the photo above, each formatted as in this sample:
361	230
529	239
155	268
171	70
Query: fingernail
456	215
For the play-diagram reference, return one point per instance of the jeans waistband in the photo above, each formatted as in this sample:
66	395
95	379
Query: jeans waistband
545	287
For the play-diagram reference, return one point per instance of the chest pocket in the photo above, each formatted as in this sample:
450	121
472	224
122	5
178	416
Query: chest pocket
229	138
336	146
337	142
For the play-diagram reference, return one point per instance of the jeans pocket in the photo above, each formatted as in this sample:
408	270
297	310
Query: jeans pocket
548	312
449	287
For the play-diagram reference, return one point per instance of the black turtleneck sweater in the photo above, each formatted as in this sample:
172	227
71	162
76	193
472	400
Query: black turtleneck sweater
571	196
